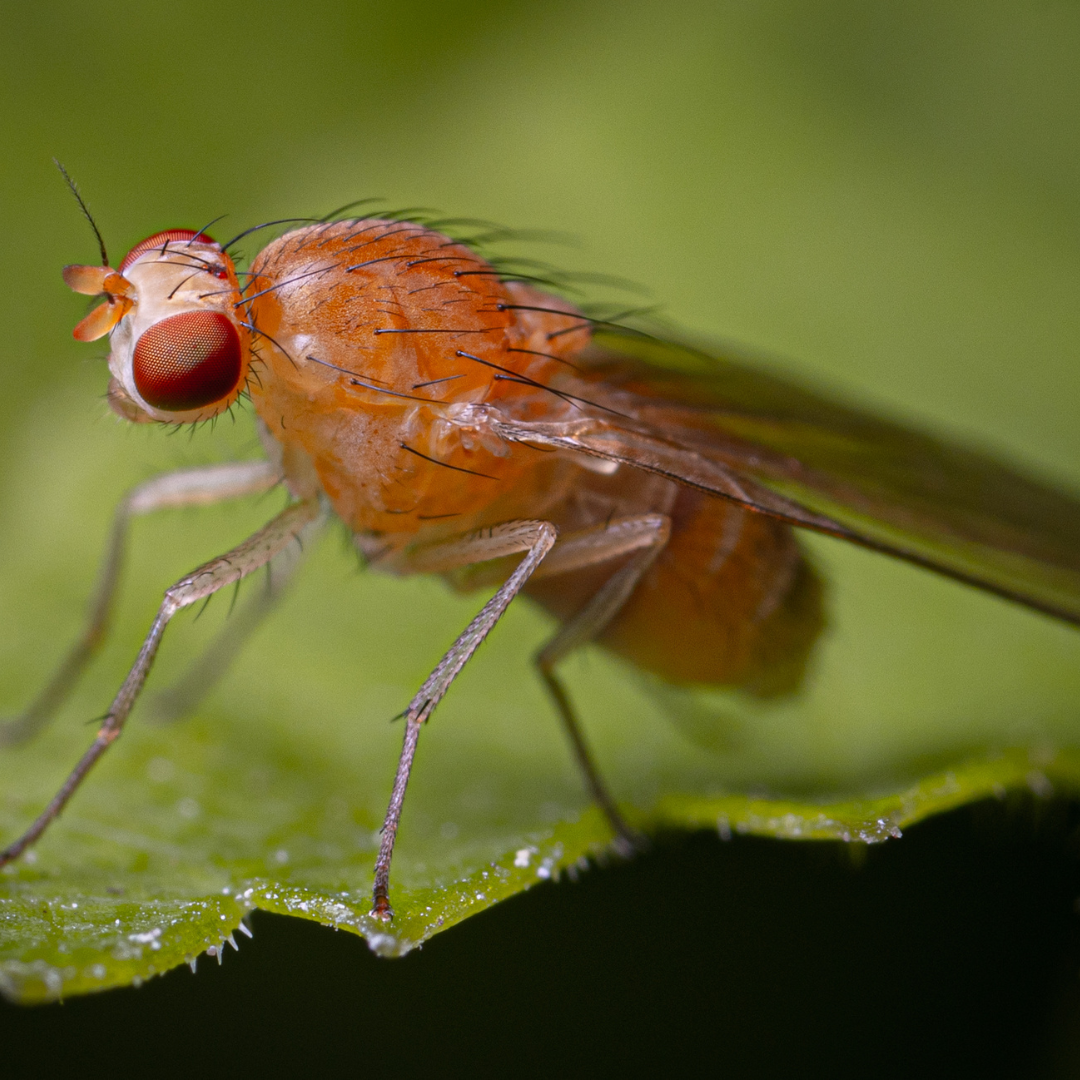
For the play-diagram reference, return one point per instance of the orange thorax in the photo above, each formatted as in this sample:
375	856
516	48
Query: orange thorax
375	341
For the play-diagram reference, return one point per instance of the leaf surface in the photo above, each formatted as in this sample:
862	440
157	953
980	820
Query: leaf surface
924	695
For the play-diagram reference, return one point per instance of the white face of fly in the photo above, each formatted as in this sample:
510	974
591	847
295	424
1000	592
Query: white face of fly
177	278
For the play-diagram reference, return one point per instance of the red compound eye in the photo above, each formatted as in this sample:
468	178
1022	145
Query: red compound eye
174	237
187	361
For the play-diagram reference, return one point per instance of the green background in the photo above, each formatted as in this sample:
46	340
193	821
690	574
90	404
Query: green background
878	197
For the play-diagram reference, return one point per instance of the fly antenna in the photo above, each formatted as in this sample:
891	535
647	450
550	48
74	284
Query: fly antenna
86	211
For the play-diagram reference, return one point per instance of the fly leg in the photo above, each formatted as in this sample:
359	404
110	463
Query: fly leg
643	538
179	700
185	487
287	528
536	539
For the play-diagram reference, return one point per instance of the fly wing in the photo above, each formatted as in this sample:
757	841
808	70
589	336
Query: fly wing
750	436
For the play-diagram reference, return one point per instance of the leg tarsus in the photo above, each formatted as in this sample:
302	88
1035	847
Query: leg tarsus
380	908
628	841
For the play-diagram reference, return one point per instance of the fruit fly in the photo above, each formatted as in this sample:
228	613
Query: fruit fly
461	421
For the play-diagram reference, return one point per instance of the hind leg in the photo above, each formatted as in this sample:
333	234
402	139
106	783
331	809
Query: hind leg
640	537
645	537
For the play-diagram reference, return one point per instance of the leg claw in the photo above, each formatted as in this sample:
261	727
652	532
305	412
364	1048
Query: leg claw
628	843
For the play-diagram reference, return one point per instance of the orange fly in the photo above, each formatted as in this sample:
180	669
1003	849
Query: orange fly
462	422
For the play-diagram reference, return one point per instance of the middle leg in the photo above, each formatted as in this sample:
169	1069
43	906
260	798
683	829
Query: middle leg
641	537
536	539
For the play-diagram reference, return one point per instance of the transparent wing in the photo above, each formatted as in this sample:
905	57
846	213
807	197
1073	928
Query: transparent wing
775	447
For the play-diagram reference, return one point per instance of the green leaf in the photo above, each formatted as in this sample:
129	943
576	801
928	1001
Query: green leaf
272	794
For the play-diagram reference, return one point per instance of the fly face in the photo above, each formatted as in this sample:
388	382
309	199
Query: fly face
179	353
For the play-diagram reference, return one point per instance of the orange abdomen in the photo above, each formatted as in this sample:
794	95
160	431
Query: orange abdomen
731	601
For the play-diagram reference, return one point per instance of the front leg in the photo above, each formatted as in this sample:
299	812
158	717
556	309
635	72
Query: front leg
184	487
182	697
287	528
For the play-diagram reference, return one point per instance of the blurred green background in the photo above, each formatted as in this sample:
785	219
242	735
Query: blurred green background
881	196
884	192
878	197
